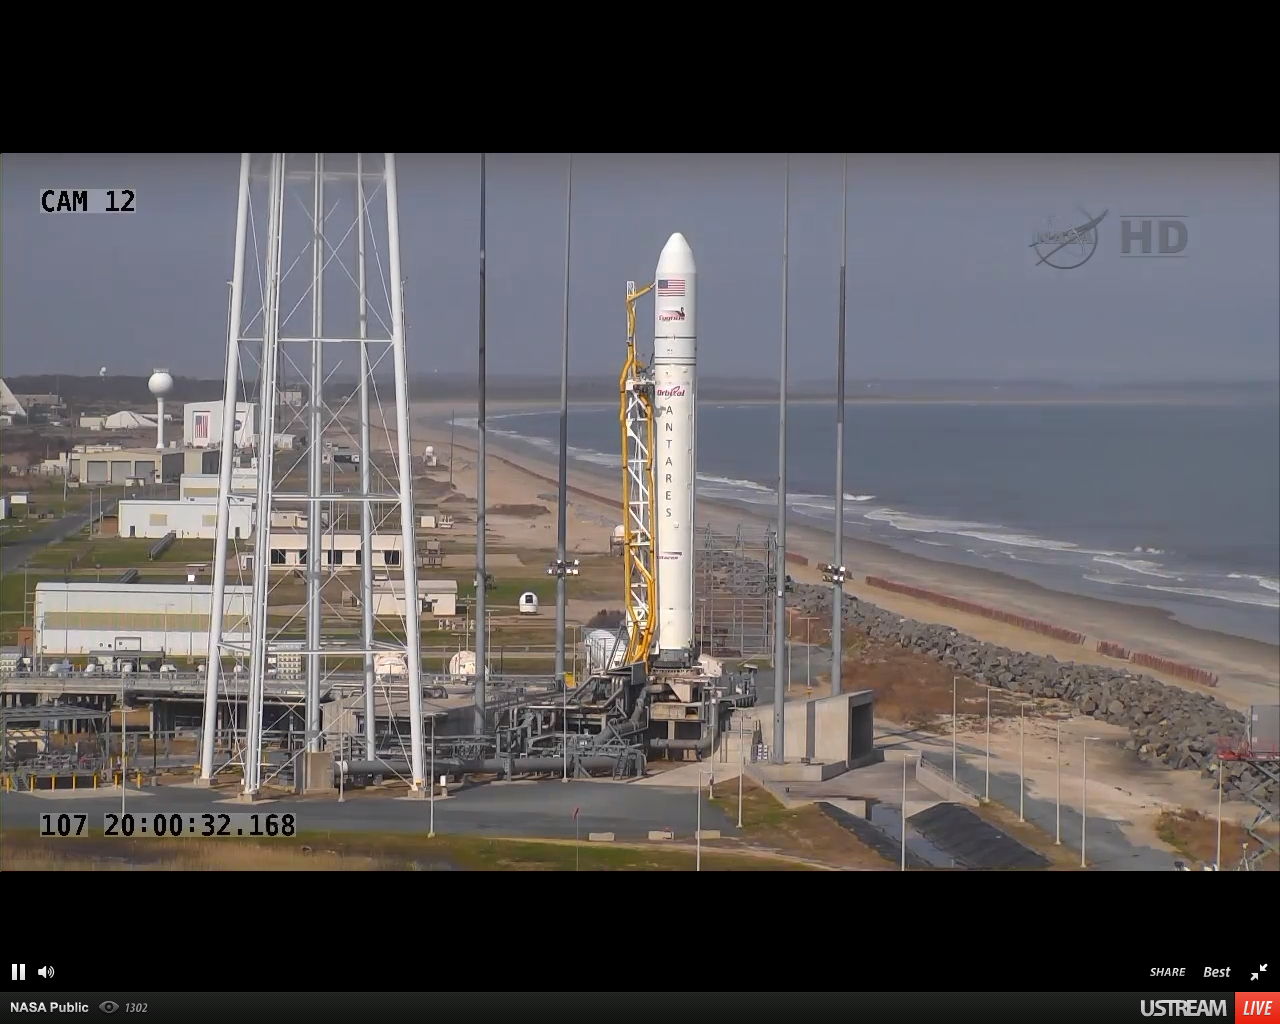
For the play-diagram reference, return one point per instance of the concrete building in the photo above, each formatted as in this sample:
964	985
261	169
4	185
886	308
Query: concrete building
134	619
339	550
129	420
202	423
93	422
435	597
244	482
193	518
106	464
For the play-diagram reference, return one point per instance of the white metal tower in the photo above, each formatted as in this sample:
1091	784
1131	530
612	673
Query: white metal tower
303	330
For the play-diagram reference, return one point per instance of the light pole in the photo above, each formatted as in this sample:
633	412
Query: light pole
698	830
431	831
1022	760
560	568
1057	841
954	724
808	650
988	793
1217	856
742	750
835	575
1084	792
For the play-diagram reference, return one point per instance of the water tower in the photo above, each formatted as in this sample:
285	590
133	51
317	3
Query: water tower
160	385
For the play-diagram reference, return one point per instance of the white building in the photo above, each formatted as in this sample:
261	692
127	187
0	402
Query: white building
161	618
435	597
202	423
93	422
339	550
193	518
129	420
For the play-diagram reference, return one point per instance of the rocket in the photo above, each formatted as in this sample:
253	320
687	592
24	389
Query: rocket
674	364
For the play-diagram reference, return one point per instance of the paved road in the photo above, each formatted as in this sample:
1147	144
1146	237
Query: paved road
12	556
541	809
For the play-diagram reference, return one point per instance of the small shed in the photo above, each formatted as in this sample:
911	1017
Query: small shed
528	603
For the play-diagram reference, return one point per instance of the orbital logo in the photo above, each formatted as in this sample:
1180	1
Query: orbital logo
1183	1007
671	314
672	392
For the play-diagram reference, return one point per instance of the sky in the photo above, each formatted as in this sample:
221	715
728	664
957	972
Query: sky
943	282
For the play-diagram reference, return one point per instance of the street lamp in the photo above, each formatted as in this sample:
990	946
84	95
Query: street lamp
1022	758
1217	856
1084	792
431	831
698	830
988	793
560	568
954	686
1058	833
905	758
835	575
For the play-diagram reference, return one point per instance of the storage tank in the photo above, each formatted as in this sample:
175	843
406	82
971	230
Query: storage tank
603	649
528	603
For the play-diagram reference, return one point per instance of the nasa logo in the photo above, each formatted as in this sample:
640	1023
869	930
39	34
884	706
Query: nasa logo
671	314
673	392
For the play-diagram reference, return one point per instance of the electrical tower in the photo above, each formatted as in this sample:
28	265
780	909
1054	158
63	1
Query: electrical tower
297	337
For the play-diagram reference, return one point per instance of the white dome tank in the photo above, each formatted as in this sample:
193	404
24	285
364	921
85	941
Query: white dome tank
603	650
160	384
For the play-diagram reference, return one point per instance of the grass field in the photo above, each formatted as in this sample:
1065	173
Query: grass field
26	850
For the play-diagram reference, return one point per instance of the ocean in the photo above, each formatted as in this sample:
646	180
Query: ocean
1176	506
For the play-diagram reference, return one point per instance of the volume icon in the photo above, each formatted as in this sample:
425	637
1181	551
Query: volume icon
45	972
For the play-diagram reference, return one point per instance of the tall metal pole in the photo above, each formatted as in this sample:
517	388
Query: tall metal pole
987	794
1084	794
366	483
315	581
481	647
904	812
268	369
1217	856
452	417
409	554
837	590
225	460
1057	839
562	518
954	725
1022	760
781	669
432	828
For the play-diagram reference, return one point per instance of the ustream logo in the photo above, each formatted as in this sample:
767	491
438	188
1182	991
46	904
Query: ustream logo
1184	1007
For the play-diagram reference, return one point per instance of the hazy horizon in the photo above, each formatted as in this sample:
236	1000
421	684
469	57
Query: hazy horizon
943	283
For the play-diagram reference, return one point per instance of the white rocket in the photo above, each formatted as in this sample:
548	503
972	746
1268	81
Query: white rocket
675	456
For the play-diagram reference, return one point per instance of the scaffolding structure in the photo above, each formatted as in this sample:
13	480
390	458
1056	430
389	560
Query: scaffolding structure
1259	749
311	230
734	578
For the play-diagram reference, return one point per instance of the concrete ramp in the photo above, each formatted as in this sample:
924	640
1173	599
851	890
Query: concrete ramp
873	837
972	842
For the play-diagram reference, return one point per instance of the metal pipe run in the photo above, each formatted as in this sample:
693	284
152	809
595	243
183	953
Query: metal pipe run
483	766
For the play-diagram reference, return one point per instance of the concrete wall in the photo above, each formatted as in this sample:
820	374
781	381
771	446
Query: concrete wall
832	730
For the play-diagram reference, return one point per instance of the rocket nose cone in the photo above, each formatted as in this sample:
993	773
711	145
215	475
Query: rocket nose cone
677	257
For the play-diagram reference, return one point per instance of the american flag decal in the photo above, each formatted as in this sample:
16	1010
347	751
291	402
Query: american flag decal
671	286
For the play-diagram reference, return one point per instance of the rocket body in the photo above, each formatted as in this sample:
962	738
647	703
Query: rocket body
675	445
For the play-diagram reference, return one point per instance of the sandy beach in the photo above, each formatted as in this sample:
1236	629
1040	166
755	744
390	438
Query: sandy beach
1248	670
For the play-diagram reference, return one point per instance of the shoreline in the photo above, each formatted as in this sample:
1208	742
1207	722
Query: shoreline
1247	668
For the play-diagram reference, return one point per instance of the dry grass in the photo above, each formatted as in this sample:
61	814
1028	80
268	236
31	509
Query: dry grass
804	832
912	689
1195	836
